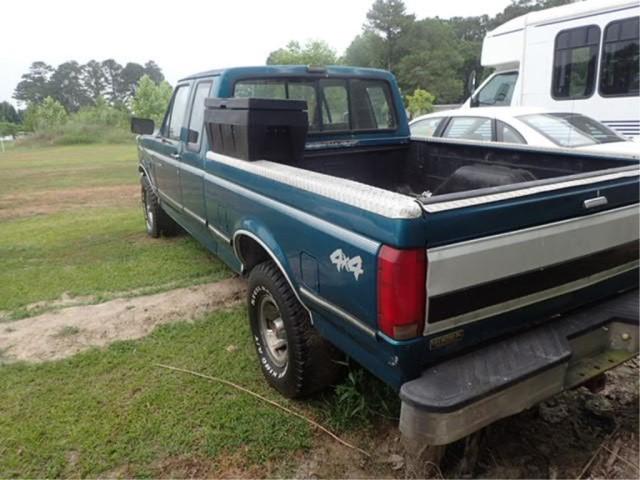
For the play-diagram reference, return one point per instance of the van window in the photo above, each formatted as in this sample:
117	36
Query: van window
619	70
197	113
574	63
175	117
469	128
499	90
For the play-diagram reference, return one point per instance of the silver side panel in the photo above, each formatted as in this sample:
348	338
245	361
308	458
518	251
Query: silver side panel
470	263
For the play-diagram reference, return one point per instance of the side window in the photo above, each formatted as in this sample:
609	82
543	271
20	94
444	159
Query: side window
575	61
499	90
175	118
197	113
620	65
426	127
506	133
469	128
335	106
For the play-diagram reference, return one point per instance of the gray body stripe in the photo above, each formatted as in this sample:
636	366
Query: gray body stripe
517	303
461	265
337	311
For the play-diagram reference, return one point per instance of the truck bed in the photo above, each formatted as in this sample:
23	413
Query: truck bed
434	168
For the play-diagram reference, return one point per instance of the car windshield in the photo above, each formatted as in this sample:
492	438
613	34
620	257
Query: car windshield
570	129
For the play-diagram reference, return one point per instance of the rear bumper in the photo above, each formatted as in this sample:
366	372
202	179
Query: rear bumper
459	396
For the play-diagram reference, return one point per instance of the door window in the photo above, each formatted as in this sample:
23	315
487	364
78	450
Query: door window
426	127
508	134
197	113
469	128
574	63
620	68
175	117
499	90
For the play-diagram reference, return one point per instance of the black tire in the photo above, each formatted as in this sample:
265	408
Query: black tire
310	362
156	219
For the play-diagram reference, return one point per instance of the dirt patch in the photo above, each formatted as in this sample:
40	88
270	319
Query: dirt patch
18	205
575	433
67	331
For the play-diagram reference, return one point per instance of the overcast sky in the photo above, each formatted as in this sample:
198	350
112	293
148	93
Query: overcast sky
185	36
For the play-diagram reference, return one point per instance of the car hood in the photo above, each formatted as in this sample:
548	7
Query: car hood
624	148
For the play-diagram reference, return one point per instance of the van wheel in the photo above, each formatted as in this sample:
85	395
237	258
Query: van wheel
294	358
156	219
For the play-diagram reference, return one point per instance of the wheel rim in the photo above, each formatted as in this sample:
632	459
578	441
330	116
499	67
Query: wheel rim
148	212
272	331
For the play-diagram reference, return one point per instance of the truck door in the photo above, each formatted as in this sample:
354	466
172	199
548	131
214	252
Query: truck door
191	177
168	149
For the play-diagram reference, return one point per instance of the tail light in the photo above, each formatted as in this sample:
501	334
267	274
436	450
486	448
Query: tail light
401	292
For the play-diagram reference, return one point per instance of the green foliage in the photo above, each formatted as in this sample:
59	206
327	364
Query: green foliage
8	129
420	103
313	52
47	115
8	113
388	19
359	400
151	100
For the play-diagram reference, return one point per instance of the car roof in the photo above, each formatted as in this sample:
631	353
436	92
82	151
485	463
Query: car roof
501	113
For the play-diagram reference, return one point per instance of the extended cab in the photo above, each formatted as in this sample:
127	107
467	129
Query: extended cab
475	278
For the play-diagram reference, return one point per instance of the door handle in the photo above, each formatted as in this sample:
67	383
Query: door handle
175	155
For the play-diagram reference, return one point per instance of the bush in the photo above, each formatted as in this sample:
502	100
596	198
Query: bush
420	102
101	123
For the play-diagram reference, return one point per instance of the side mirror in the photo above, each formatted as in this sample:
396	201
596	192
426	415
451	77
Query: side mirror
142	126
471	82
188	136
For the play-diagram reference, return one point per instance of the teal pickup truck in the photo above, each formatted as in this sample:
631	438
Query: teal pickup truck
476	279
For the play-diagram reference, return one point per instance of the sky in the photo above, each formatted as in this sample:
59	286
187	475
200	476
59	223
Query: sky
185	36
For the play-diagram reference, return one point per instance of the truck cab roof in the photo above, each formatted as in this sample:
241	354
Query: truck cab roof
293	70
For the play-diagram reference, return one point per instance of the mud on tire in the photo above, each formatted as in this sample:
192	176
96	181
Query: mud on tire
294	358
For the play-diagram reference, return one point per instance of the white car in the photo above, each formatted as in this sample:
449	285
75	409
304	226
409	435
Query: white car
524	125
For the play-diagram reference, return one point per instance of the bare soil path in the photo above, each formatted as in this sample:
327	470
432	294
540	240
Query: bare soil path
67	331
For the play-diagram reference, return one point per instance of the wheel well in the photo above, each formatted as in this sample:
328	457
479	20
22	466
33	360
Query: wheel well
251	253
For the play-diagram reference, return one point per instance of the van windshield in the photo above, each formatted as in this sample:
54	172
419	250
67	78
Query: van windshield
334	104
570	129
499	90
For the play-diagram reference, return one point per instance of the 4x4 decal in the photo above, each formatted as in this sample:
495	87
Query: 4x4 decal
343	262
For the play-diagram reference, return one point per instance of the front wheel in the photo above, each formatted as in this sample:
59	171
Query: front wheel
294	358
156	220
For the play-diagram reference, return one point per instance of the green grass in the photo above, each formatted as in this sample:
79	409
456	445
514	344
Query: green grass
79	250
94	252
102	410
26	170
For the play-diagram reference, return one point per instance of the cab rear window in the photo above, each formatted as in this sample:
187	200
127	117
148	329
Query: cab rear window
334	104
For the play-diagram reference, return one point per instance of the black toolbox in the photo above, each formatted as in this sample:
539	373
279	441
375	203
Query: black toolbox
257	128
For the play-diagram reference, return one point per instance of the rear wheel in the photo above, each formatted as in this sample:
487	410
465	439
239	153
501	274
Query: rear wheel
156	219
294	358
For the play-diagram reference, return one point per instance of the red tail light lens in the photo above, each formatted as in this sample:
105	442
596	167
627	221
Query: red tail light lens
401	292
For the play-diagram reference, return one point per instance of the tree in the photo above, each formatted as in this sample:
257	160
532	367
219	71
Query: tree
8	129
313	52
151	100
154	72
34	86
113	82
129	78
94	79
388	18
66	85
366	50
420	102
8	113
49	114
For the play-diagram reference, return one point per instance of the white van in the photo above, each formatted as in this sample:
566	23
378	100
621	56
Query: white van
582	58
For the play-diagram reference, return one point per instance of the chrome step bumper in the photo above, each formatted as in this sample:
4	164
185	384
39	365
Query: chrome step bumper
457	397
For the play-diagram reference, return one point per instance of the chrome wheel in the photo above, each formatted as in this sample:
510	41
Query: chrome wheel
272	331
